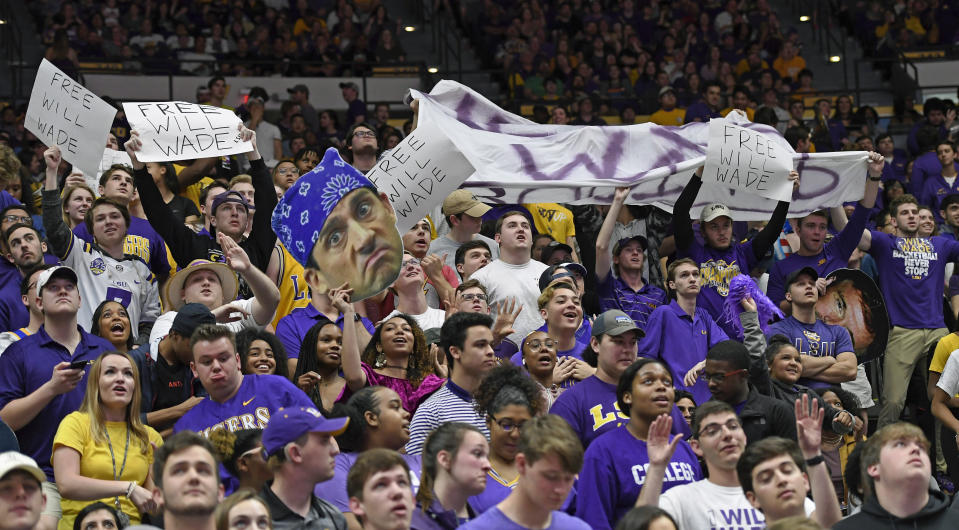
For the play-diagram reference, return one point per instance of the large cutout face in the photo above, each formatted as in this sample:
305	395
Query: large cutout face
854	302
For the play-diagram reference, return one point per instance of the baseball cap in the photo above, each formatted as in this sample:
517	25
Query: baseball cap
794	275
615	322
552	247
350	84
666	89
713	211
230	196
61	271
298	88
191	316
12	461
463	201
550	276
259	92
288	424
625	241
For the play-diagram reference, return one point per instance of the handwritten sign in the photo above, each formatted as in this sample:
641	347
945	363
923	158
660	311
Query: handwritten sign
177	130
748	161
64	113
419	173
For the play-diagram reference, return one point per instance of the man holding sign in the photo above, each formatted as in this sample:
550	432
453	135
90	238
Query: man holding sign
63	113
335	224
719	259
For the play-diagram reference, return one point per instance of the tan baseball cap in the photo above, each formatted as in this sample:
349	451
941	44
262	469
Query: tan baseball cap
463	201
12	460
713	211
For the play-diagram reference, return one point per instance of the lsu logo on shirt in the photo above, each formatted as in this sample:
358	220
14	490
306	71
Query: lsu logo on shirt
600	419
917	253
259	419
717	274
97	266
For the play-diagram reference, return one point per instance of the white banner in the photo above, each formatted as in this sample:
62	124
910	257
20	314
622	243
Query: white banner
420	172
64	113
518	161
747	161
177	130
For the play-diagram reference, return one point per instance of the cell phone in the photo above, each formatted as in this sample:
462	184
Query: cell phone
79	365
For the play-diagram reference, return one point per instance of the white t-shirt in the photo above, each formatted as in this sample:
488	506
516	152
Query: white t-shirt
265	134
949	380
163	324
703	505
503	281
432	318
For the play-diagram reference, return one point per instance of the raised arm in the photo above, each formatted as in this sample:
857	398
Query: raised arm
350	364
809	436
58	233
603	257
266	296
682	224
660	451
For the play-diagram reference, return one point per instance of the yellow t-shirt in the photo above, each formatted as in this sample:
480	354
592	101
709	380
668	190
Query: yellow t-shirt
790	68
944	349
192	191
74	432
673	117
553	219
294	292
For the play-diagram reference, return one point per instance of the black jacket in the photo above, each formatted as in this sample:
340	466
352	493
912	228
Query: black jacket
937	514
763	416
186	245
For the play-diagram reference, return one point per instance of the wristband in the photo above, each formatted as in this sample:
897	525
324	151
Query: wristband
357	317
130	489
815	461
877	179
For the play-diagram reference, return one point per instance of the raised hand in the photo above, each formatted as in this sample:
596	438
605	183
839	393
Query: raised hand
340	298
236	258
749	305
506	313
809	426
794	177
875	164
659	448
433	265
52	157
132	147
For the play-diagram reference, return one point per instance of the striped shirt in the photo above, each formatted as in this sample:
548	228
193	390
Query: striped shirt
449	403
614	293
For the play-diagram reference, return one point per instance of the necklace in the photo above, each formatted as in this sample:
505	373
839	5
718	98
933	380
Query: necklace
395	367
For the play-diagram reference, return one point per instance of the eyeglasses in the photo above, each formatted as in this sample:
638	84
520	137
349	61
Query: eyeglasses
720	376
365	134
469	297
287	171
17	219
410	262
714	428
508	425
537	343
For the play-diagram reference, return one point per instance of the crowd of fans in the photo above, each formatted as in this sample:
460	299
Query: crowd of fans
175	355
234	38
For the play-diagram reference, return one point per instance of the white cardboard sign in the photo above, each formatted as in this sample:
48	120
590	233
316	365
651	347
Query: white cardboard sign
419	173
177	130
748	161
64	113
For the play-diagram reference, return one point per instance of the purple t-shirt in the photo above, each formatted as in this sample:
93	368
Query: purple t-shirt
817	340
681	341
333	491
494	519
834	255
716	269
911	277
143	242
25	366
925	166
259	397
590	408
935	190
614	470
292	328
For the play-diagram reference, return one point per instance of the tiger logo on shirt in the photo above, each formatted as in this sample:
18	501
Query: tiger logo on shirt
717	274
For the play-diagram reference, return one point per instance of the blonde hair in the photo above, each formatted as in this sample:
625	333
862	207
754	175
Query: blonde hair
94	408
221	516
547	294
65	198
242	178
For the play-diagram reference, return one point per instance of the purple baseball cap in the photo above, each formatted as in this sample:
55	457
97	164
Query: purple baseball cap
288	424
230	196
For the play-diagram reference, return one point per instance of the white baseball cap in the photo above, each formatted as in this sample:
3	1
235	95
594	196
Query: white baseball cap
60	271
12	461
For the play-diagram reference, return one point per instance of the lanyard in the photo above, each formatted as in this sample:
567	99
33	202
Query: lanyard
113	462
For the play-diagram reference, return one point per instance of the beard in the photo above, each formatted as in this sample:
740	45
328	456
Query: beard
193	508
365	150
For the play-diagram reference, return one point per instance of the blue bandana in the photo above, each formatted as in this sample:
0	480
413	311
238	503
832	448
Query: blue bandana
301	213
